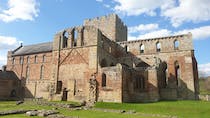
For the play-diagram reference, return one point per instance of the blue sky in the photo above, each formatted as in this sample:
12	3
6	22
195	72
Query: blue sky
36	21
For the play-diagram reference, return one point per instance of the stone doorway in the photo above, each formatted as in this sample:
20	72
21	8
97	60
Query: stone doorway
65	94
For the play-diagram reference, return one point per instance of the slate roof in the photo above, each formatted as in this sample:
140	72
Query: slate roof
33	49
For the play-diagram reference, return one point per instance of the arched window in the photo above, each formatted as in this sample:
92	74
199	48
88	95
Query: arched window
65	39
42	72
44	58
27	73
126	48
177	73
75	37
13	60
176	45
21	60
28	59
103	80
35	59
141	48
158	46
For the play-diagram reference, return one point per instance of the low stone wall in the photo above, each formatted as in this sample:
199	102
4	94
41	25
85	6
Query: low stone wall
204	97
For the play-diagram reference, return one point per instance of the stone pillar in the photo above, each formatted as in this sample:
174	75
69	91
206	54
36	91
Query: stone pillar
70	38
80	36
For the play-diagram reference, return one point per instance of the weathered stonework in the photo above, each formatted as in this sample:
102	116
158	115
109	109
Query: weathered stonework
95	62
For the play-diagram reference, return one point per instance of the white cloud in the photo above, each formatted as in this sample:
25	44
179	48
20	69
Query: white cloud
138	7
20	10
143	27
188	10
198	33
7	43
204	69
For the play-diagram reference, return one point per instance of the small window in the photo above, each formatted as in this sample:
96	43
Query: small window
177	72
103	80
28	60
140	83
141	48
158	47
35	59
44	58
176	45
13	60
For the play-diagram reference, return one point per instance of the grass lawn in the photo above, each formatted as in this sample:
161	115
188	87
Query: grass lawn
181	109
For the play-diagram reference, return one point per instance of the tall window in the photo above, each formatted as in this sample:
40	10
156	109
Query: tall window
13	60
21	60
140	83
44	58
158	47
141	48
27	72
42	72
65	39
35	59
75	37
177	73
126	48
103	80
28	60
176	44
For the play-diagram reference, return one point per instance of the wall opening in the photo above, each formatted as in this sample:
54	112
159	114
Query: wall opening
65	39
13	60
177	73
141	48
158	47
176	45
21	60
103	80
35	59
75	37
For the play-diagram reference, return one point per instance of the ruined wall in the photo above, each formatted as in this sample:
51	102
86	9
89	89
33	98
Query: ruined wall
111	26
112	91
170	53
73	65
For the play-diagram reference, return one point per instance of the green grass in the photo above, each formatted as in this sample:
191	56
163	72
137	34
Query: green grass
182	109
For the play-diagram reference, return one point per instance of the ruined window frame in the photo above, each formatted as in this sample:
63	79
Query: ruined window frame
44	58
141	48
158	47
21	60
176	44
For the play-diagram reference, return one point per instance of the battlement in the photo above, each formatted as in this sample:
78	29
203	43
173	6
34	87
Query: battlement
110	25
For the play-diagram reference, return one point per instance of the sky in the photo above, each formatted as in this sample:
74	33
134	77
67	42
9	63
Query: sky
37	21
